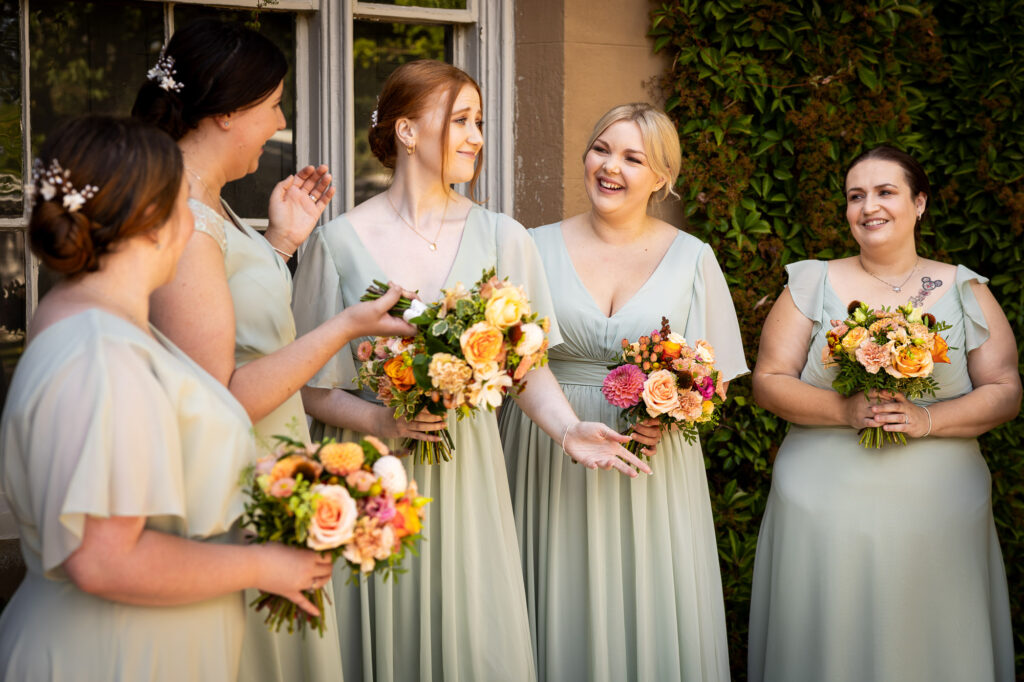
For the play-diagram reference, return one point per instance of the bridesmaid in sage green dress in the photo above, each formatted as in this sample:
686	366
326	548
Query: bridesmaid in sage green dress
458	613
229	306
883	565
120	455
622	576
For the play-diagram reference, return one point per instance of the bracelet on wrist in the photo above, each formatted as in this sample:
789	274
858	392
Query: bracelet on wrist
284	255
929	413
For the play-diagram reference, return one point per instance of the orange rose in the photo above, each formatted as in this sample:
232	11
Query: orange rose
911	361
400	373
671	349
939	350
481	344
410	519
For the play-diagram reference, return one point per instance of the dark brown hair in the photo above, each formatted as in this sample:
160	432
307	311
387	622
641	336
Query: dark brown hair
917	179
407	93
222	67
137	170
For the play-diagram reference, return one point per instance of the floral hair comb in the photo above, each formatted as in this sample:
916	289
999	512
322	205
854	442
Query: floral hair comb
48	182
163	73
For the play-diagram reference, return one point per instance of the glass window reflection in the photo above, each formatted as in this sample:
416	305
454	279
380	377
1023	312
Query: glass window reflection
11	140
12	305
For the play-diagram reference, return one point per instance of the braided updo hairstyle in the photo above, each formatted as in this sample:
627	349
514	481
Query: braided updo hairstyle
411	89
222	67
136	170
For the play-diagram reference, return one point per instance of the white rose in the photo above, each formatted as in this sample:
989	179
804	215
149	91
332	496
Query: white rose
416	308
392	474
705	352
531	340
334	518
677	339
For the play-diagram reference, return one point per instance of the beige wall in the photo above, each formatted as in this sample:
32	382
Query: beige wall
586	56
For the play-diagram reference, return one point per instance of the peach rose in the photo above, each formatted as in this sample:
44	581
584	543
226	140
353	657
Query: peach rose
481	344
939	348
853	339
400	373
911	361
873	357
507	306
660	393
334	518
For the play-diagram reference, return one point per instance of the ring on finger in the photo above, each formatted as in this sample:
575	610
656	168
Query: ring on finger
312	198
906	418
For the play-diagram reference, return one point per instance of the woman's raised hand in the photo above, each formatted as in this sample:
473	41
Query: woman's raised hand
424	426
596	446
289	571
296	204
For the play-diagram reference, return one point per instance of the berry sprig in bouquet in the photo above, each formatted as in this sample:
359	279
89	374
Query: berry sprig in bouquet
877	349
662	376
349	500
471	349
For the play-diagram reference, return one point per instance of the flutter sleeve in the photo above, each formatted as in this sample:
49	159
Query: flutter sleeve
807	287
519	260
318	297
975	325
103	442
713	317
210	223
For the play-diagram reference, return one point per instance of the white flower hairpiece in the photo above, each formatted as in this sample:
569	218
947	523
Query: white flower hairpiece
373	119
47	182
163	73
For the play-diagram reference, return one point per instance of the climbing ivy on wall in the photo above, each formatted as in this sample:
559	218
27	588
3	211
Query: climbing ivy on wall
772	99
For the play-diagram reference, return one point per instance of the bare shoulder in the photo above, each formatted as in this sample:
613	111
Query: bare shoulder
937	270
371	212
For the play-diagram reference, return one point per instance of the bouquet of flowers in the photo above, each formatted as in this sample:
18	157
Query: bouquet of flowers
352	500
662	376
885	350
471	348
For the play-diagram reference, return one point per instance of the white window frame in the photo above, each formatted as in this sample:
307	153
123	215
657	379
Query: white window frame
325	125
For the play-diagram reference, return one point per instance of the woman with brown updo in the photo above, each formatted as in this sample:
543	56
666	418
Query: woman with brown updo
229	307
460	612
120	455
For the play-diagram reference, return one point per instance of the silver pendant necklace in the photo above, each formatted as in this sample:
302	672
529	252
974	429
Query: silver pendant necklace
897	288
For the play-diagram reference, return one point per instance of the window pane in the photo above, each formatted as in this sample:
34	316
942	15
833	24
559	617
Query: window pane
12	305
249	196
444	4
88	57
11	161
378	49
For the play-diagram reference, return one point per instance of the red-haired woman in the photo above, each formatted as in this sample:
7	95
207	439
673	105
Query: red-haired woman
120	455
460	612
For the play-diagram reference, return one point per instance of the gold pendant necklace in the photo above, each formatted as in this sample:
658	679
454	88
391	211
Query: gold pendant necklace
432	243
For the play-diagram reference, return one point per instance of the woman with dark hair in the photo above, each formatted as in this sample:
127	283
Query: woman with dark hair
459	613
217	90
120	455
883	565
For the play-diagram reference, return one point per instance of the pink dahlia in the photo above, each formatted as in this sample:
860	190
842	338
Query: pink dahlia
624	385
706	387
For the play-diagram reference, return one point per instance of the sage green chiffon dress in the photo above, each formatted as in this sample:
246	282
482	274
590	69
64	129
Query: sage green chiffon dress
880	565
622	576
103	420
459	612
261	292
